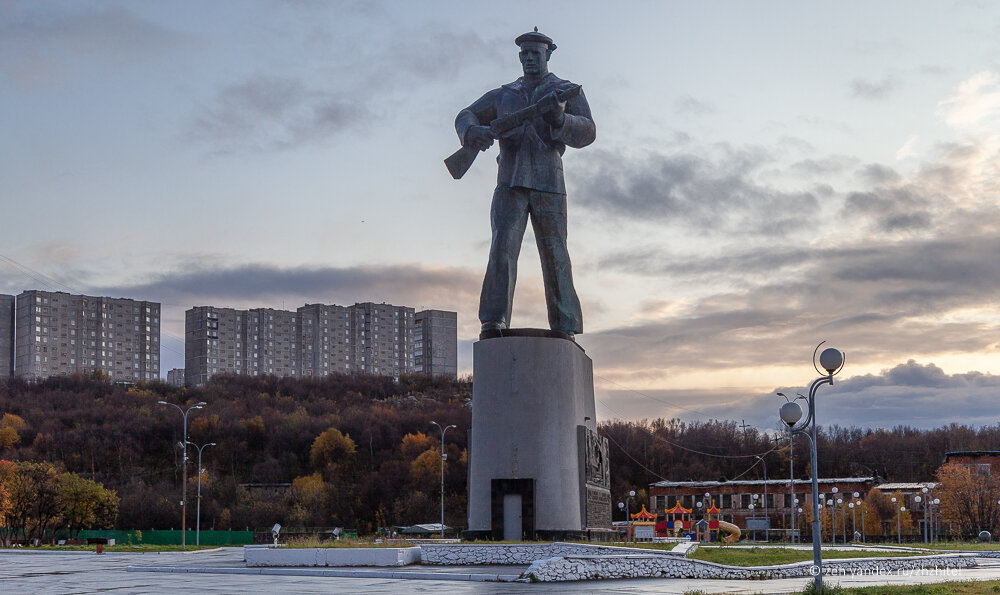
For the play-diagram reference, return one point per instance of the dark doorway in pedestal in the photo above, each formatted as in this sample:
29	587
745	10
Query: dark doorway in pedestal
512	509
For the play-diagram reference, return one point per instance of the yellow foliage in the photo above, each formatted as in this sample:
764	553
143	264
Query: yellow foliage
8	437
332	449
426	468
15	422
413	445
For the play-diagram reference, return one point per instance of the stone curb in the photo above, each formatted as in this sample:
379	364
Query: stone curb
324	572
573	568
475	554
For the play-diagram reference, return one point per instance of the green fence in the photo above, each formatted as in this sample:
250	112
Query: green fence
171	537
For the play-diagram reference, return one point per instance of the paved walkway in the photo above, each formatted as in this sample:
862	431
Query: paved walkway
222	571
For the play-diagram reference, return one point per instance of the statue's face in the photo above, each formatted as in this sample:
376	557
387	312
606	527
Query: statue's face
534	58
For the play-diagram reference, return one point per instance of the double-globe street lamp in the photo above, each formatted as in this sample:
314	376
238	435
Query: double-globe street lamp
184	443
832	361
626	506
197	531
443	458
791	467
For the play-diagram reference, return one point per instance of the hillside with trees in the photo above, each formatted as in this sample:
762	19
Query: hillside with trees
360	451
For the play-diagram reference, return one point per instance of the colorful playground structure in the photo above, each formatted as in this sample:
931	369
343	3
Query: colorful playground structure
679	522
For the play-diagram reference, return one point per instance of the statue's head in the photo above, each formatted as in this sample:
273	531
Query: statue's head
536	49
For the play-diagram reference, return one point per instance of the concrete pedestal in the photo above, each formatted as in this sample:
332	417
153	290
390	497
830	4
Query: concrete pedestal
534	445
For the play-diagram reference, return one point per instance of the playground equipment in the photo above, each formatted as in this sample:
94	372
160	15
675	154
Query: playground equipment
732	530
643	525
678	522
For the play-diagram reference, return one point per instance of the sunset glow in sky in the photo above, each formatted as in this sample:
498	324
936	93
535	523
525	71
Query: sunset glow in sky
766	176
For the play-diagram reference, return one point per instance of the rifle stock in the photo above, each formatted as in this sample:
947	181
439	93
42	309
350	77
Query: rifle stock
461	160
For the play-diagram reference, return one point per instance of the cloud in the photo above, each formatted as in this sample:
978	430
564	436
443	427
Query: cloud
686	104
40	44
976	100
266	112
265	284
716	192
868	89
910	394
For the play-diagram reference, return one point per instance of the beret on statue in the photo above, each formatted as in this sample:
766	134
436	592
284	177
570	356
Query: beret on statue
535	37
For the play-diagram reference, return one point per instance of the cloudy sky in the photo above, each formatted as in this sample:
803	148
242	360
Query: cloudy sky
766	176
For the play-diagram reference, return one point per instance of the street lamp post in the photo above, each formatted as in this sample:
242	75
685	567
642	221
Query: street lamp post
184	414
832	362
833	522
923	532
843	518
197	531
854	521
626	506
443	457
791	465
833	514
936	520
767	534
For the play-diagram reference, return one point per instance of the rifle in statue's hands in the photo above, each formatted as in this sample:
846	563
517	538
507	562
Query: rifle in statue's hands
461	160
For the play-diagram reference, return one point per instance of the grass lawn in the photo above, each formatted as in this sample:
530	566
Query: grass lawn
757	556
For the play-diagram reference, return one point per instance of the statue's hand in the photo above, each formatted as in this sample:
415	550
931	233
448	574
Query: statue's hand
479	137
553	110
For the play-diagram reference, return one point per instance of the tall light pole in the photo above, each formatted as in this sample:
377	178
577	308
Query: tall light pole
197	531
767	534
791	464
832	362
833	521
936	520
854	521
843	517
923	530
626	506
444	430
899	535
184	414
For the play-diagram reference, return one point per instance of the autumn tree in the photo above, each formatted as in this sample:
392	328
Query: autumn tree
332	450
34	489
310	498
968	499
85	504
874	509
413	445
10	427
7	470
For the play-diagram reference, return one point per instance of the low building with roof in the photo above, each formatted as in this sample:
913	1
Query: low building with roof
773	500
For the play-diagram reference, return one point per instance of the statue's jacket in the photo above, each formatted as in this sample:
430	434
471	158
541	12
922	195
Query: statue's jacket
531	154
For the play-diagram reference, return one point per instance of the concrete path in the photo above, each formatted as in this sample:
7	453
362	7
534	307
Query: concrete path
222	571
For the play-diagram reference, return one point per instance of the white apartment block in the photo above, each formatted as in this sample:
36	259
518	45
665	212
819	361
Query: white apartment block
315	340
57	333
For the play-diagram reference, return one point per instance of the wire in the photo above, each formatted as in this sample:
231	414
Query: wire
51	282
707	454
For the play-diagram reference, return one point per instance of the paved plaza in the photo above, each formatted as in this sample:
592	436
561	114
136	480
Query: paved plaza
223	571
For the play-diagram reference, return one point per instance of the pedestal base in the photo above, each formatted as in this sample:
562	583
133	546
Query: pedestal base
537	466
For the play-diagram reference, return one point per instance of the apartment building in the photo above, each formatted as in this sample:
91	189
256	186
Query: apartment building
435	343
315	340
383	338
6	336
326	340
175	377
57	333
